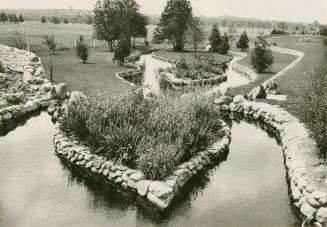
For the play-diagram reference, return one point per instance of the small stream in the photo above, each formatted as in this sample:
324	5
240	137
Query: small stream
248	189
36	189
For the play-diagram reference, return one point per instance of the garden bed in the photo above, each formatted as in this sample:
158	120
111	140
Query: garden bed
152	150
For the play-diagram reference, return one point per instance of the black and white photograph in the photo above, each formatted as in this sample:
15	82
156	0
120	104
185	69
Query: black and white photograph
168	113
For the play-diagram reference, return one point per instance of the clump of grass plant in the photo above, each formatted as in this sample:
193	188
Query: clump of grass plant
204	67
153	135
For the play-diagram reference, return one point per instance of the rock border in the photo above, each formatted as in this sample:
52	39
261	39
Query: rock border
158	193
305	170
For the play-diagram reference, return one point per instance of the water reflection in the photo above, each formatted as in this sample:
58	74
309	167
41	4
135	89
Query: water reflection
37	189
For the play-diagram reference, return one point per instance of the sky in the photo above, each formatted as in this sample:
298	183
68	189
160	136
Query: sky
285	10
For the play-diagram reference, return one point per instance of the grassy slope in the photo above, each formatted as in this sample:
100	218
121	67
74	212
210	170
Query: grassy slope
280	62
294	82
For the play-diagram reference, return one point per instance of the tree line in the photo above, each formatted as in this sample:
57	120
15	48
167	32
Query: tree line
11	18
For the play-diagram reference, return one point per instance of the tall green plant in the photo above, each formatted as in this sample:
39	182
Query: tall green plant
17	39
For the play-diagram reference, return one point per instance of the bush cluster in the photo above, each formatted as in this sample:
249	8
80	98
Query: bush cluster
204	67
278	32
153	135
17	39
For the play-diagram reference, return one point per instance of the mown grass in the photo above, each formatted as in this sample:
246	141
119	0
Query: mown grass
296	81
96	76
280	62
153	135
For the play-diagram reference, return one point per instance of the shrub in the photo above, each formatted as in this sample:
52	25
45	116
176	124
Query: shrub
84	52
243	42
153	135
43	20
17	39
261	57
325	41
2	69
79	45
122	50
315	109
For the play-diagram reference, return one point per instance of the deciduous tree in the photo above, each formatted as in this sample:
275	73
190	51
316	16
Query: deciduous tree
195	32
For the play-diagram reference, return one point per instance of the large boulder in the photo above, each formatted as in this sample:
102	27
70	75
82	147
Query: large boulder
59	91
3	103
257	93
321	215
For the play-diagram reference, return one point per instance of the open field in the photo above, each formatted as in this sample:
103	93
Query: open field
280	62
294	82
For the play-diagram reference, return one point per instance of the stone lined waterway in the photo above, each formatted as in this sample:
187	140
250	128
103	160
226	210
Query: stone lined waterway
249	189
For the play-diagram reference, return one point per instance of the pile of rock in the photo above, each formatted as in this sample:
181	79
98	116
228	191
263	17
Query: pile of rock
305	170
160	193
24	87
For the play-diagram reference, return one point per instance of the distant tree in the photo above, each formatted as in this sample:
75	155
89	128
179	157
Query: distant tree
195	33
262	57
174	20
139	29
13	18
17	39
323	30
122	51
55	20
3	17
84	52
224	48
52	44
43	20
66	21
243	41
20	18
215	38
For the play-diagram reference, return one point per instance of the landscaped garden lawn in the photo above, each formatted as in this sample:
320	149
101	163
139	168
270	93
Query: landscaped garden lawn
280	62
295	81
98	75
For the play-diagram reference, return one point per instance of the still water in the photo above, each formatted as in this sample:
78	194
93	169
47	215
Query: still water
248	189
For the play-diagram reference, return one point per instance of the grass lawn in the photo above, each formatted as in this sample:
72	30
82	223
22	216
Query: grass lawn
189	56
97	75
280	62
294	82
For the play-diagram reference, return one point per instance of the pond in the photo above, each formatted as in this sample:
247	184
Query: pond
36	189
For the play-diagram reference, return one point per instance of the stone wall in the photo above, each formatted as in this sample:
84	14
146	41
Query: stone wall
305	170
244	71
158	193
135	71
24	82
